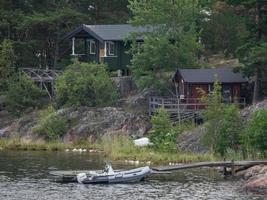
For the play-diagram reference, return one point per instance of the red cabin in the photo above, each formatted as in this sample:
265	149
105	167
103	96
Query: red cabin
189	81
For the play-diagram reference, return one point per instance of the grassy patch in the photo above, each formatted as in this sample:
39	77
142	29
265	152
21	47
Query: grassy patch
122	148
41	145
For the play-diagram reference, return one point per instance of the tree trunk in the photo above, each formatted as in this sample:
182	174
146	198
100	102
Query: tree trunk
258	37
256	88
258	20
56	51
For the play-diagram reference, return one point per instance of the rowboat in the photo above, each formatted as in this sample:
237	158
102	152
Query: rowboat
110	176
107	175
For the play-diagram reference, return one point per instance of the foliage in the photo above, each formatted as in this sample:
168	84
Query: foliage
171	42
121	147
223	124
7	61
224	30
255	137
163	134
51	125
22	95
38	27
253	56
85	84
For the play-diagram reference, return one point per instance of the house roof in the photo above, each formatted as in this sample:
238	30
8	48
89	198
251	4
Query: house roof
116	32
223	75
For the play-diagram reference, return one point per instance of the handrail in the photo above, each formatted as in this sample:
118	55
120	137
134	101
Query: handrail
172	105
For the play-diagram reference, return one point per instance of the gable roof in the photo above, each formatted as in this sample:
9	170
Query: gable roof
223	75
116	32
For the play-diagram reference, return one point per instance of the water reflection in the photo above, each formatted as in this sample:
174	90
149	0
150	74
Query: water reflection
24	175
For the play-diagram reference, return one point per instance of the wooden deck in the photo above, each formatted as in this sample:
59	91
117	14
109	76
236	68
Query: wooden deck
44	78
181	110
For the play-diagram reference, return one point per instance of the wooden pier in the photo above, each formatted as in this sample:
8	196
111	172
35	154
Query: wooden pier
234	165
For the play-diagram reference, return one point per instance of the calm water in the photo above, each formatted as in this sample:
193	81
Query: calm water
24	175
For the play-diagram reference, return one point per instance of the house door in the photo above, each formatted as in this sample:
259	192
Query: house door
227	93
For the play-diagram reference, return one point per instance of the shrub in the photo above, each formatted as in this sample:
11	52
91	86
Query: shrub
255	137
163	134
223	123
22	95
7	63
51	125
85	84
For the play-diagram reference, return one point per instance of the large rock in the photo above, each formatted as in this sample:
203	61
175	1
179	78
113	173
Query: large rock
97	122
248	111
256	180
138	102
191	140
21	127
87	122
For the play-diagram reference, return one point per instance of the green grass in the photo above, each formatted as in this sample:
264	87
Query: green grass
113	147
41	145
121	148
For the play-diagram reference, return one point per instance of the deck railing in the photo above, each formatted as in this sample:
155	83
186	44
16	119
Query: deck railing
173	105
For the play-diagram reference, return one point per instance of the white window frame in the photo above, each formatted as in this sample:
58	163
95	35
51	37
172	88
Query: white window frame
92	43
108	53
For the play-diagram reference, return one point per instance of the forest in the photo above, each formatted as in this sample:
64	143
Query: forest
32	35
236	28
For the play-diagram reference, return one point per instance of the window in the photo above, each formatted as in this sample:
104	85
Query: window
110	49
92	47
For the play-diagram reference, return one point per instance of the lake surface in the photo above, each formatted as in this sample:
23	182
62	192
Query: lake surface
24	175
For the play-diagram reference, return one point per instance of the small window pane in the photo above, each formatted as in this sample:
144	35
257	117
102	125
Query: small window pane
92	47
111	49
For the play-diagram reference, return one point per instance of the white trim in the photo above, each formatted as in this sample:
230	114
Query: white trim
73	46
105	49
108	56
78	54
91	43
109	53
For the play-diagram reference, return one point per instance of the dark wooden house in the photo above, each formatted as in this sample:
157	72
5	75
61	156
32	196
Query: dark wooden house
104	43
189	81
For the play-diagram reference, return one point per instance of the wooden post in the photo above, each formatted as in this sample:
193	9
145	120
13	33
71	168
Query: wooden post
233	168
149	106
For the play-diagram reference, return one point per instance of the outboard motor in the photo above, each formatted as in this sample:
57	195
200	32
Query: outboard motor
108	169
81	177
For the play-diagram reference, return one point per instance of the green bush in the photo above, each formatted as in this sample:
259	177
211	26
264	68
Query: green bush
223	123
163	134
85	84
7	63
22	95
51	125
255	137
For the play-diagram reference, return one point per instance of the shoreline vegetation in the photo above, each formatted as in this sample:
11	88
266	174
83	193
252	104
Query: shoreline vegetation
119	148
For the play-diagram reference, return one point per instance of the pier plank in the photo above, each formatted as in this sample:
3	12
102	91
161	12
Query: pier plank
209	164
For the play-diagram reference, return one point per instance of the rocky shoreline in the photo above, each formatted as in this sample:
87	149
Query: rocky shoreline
84	123
255	180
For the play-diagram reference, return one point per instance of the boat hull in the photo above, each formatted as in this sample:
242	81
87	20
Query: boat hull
134	175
